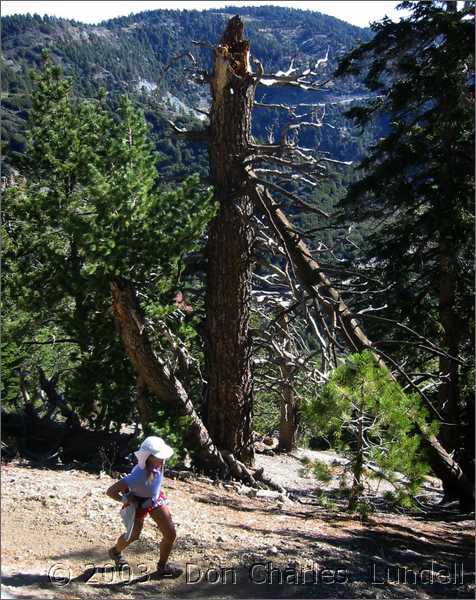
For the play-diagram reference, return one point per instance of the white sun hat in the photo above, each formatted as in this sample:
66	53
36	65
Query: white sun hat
152	446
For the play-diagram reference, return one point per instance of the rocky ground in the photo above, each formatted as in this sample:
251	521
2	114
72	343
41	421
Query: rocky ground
57	525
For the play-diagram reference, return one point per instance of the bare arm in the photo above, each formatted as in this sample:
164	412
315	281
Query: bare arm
116	489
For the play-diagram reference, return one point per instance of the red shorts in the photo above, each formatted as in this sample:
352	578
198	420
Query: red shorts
141	513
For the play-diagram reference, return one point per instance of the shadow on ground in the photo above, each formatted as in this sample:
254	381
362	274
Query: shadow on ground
391	561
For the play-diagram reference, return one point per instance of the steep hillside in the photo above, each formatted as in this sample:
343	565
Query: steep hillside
137	55
130	53
57	525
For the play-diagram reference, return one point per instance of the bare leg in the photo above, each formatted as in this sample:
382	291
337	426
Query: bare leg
136	531
163	517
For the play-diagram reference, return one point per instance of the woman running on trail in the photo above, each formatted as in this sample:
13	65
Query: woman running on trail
141	495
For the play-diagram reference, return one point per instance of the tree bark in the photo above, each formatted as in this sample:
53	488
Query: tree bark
289	414
448	393
449	297
308	270
230	250
167	388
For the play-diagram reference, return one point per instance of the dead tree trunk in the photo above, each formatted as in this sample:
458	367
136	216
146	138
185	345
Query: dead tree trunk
153	371
230	249
237	187
308	270
289	414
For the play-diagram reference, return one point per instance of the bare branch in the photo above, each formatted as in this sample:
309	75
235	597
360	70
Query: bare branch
273	106
203	44
194	135
289	195
428	343
410	383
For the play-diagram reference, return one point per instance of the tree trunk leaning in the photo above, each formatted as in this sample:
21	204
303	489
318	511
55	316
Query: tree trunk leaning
309	273
153	372
288	424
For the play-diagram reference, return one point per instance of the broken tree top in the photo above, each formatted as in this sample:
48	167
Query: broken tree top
237	47
233	33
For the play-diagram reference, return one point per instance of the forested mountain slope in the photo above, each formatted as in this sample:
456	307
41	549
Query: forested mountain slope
138	55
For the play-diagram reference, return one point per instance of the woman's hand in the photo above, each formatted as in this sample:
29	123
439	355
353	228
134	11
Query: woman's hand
116	491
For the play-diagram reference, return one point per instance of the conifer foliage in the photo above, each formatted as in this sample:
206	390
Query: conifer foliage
87	209
368	417
417	192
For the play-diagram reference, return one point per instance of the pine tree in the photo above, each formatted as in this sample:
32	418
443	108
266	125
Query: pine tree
368	417
417	193
88	210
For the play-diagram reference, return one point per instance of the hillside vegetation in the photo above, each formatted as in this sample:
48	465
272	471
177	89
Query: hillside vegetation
138	54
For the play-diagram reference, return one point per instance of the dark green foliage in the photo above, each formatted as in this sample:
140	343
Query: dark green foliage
12	360
130	55
89	209
416	193
417	187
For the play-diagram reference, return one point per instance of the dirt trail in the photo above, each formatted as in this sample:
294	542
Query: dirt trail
57	525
